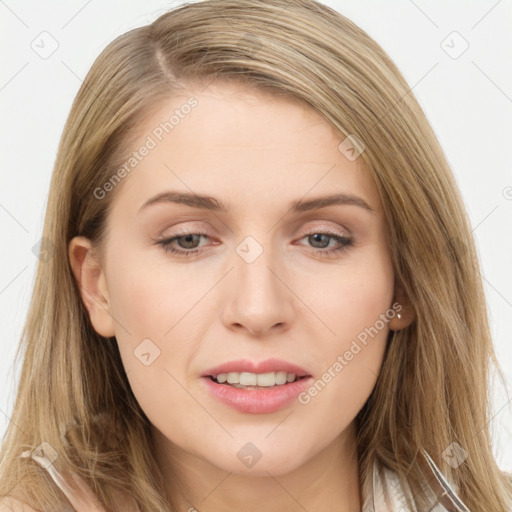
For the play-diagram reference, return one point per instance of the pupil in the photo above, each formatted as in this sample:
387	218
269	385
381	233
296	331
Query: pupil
319	235
188	241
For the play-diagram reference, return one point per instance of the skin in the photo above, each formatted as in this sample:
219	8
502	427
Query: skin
256	153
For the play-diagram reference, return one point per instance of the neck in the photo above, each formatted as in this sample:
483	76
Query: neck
327	481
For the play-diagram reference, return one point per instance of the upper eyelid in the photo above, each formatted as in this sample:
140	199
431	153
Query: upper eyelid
345	230
305	232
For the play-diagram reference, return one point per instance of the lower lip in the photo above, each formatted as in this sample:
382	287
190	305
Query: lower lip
257	401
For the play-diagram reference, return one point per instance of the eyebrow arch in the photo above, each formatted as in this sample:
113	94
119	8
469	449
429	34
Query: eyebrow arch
210	203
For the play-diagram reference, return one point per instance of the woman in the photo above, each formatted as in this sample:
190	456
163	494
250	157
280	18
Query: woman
321	344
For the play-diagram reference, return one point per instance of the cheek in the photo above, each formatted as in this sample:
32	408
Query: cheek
356	306
346	378
153	307
352	295
150	297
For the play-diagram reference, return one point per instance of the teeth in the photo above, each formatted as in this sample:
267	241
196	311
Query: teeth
256	379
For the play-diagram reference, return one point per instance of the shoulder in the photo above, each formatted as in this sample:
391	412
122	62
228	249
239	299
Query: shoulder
10	504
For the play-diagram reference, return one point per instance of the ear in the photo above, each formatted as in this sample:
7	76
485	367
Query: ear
92	284
402	307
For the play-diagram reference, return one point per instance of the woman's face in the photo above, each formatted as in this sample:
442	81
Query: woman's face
263	269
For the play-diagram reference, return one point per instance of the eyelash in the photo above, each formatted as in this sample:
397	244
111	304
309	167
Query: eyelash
345	241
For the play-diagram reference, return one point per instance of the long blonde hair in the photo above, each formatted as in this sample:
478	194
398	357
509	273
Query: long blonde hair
433	388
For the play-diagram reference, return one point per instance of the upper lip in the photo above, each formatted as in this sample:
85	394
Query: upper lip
266	366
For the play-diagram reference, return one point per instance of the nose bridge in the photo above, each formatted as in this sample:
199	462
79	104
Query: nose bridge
255	259
258	299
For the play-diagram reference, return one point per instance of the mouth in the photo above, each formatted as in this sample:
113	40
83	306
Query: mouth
246	372
261	394
248	380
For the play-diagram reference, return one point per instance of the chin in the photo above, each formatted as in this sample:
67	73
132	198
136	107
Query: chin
247	459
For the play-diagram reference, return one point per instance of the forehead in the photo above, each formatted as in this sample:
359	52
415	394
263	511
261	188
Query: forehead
240	144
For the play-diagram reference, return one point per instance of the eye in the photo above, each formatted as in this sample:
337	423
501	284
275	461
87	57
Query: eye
323	239
187	243
188	239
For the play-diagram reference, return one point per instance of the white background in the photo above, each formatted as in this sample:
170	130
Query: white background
468	101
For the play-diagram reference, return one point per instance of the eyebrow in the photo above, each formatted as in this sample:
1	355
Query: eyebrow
210	203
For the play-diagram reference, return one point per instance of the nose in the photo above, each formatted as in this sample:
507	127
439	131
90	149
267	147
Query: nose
258	298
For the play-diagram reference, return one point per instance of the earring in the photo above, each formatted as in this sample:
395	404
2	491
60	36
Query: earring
399	315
